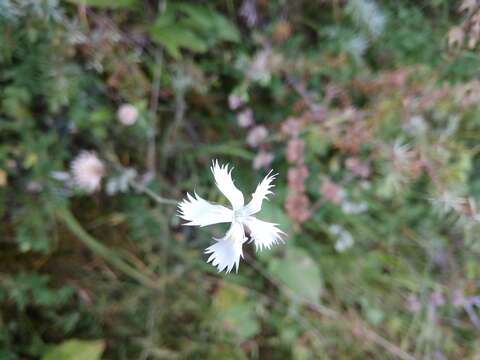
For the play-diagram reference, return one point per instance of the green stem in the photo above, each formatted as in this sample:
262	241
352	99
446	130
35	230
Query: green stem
101	250
143	189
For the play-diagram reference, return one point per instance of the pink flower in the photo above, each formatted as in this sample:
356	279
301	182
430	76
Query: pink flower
456	37
248	11
245	118
318	113
262	160
257	135
291	127
332	192
413	304
295	149
87	171
296	178
436	298
358	167
127	114
458	298
234	101
297	206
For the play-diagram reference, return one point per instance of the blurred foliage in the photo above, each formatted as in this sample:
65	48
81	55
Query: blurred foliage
368	110
75	350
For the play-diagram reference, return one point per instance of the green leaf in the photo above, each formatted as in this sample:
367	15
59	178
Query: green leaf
225	29
299	273
236	312
175	37
76	350
230	148
111	4
192	27
208	20
198	16
167	18
272	211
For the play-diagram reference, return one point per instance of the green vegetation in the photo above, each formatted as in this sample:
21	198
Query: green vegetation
112	110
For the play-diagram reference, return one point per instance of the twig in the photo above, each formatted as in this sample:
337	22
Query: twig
384	343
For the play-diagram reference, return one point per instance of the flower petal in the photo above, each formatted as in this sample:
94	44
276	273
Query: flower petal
224	182
226	252
264	234
261	193
200	212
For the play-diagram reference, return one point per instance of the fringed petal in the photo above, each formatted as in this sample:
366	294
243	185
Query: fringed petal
200	212
224	182
264	234
226	252
261	193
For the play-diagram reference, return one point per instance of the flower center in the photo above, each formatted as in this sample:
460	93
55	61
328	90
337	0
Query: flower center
240	214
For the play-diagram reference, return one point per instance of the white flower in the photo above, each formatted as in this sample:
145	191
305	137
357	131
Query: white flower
87	171
354	208
448	201
368	14
402	153
357	46
416	126
344	239
119	184
60	176
226	251
259	69
127	114
344	242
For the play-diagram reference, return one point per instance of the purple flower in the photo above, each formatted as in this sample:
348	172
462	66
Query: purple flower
262	160
257	135
245	118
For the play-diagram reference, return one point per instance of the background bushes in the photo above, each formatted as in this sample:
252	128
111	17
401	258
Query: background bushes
369	112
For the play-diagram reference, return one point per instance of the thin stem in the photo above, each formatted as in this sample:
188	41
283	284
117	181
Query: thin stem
180	109
101	250
152	151
145	190
139	186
